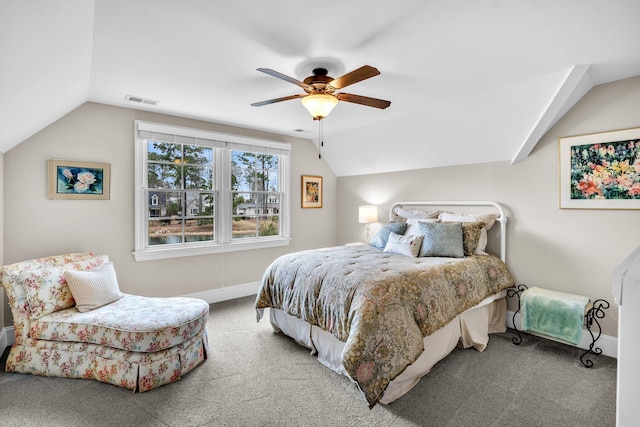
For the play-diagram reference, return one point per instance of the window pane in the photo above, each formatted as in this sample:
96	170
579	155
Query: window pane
269	226
197	155
164	204
164	152
165	231
242	158
244	227
243	179
164	176
199	230
169	203
199	203
270	180
266	161
242	204
198	177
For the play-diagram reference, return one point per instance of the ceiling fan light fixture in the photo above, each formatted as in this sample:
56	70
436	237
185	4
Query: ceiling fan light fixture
319	105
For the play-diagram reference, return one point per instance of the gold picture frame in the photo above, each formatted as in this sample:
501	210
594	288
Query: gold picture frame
70	180
599	171
311	191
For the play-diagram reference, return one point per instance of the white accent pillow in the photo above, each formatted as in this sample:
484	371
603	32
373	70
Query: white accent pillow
488	219
413	225
404	245
93	288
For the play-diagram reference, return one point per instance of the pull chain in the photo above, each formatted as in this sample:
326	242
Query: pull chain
320	138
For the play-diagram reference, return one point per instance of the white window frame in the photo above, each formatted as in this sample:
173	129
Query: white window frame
223	205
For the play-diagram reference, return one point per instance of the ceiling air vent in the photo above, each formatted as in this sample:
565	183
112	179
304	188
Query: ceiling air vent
141	100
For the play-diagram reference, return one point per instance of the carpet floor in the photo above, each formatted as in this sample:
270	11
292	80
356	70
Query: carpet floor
255	377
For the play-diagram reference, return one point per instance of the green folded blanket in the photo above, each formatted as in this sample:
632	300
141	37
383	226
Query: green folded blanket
554	314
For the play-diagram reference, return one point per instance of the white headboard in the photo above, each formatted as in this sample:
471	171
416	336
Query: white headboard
502	219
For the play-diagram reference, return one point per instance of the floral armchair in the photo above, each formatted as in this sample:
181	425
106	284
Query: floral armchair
135	342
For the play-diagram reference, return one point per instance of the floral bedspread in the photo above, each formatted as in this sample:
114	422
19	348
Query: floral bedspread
380	304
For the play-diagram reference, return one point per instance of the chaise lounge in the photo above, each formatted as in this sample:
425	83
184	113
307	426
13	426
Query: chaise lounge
139	343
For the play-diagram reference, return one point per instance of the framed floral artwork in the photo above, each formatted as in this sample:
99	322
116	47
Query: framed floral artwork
311	191
78	180
600	171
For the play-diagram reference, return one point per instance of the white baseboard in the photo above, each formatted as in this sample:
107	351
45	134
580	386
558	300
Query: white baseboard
607	343
224	294
7	338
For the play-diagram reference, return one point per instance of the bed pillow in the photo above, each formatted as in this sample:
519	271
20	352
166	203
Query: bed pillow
442	239
380	239
408	245
413	225
488	219
416	213
94	288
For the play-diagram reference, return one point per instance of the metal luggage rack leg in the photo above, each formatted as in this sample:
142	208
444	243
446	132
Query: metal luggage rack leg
591	316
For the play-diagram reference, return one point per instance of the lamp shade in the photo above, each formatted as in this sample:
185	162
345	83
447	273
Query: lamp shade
367	214
319	105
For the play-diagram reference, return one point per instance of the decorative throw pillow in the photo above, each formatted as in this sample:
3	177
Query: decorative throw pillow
471	232
413	225
94	288
442	239
46	288
488	219
380	239
408	245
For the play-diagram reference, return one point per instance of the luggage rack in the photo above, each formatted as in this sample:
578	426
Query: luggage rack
593	312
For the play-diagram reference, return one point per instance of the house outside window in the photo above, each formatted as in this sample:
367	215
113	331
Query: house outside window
201	192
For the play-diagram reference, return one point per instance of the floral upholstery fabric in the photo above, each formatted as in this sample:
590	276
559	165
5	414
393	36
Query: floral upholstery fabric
133	370
380	304
16	295
132	323
139	343
46	288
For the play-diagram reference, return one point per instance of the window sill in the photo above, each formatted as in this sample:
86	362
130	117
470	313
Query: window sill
178	252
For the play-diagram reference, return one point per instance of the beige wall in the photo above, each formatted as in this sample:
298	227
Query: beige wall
36	226
566	250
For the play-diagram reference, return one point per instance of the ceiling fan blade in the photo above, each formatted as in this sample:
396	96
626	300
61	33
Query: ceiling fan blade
284	77
284	98
363	100
355	76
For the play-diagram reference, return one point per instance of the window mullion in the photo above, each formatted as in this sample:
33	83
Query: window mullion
224	198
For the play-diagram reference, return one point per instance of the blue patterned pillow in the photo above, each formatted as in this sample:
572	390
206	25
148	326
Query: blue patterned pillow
380	239
442	239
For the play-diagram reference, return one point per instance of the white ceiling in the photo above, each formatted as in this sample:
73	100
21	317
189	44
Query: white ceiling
469	80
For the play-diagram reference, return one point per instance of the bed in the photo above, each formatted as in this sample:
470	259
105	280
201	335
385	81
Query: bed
383	314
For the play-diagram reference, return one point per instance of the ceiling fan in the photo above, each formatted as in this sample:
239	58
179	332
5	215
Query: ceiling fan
320	90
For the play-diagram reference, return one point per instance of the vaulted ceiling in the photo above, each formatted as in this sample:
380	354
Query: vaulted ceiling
469	80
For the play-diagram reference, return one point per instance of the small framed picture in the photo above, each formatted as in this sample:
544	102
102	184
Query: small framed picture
600	171
311	191
78	180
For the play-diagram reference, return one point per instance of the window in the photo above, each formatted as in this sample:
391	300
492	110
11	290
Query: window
201	192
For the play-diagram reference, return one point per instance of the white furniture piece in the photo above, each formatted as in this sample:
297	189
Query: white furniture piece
626	293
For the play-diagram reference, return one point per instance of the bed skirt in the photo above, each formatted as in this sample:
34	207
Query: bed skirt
469	329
